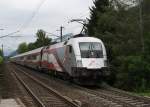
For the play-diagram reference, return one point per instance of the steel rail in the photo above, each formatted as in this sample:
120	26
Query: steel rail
105	96
125	93
87	91
40	104
50	89
118	98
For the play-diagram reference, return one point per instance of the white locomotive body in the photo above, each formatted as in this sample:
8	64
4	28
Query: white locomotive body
78	58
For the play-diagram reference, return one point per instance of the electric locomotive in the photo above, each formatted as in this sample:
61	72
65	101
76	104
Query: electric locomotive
82	59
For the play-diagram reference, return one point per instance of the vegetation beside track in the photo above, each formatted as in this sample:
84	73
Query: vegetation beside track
117	22
1	60
145	93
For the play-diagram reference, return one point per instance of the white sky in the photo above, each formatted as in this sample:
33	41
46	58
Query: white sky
52	14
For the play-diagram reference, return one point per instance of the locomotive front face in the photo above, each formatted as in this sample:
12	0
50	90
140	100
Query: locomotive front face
92	60
92	55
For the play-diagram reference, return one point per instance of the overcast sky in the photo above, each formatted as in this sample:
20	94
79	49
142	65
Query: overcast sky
15	14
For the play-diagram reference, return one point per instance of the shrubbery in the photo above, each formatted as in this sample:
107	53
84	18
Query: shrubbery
1	60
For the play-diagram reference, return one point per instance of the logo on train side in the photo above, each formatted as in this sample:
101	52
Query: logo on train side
91	63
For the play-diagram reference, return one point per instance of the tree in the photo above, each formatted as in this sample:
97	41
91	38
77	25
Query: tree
42	40
31	46
100	6
1	58
118	27
1	53
23	47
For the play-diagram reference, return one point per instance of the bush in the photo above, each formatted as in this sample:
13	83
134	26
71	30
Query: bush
1	60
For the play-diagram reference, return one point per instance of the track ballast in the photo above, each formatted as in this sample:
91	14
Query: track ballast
43	95
103	97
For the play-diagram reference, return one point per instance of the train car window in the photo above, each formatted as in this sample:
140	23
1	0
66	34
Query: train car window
47	47
29	57
32	57
65	42
35	57
70	49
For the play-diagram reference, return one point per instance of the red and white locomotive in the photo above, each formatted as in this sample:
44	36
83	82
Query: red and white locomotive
79	58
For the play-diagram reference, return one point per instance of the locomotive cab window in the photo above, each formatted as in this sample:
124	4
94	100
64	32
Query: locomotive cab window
91	50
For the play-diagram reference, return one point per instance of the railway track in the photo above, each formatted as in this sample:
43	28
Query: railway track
132	98
111	97
1	81
120	99
43	95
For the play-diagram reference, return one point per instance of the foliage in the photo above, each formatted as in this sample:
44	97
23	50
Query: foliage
117	25
134	74
23	47
99	6
31	46
42	40
1	60
1	53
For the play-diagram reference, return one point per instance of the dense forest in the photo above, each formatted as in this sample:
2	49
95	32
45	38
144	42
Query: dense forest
124	28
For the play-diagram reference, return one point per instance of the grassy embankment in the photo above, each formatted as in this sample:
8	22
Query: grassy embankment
1	60
146	93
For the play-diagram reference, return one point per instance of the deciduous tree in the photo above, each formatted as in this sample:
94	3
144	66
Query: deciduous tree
42	39
23	47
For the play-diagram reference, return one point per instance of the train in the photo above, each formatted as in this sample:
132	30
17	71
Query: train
82	59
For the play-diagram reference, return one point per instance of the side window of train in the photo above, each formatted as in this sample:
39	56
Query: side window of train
65	42
70	48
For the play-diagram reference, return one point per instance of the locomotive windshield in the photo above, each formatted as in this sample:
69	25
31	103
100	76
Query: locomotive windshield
91	50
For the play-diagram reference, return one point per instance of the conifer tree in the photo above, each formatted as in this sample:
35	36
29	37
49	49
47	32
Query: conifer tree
100	6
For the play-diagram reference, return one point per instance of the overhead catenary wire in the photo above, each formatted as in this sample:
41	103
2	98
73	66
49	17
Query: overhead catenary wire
9	35
26	24
81	15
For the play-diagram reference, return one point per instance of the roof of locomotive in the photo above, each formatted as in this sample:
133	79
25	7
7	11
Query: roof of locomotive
74	41
61	44
85	39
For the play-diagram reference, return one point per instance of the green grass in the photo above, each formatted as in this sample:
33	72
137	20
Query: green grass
145	93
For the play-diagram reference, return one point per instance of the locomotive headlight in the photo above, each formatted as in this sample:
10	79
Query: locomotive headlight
79	63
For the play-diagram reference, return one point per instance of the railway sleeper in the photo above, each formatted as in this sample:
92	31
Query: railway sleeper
126	100
107	102
144	105
134	101
129	100
112	104
137	103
